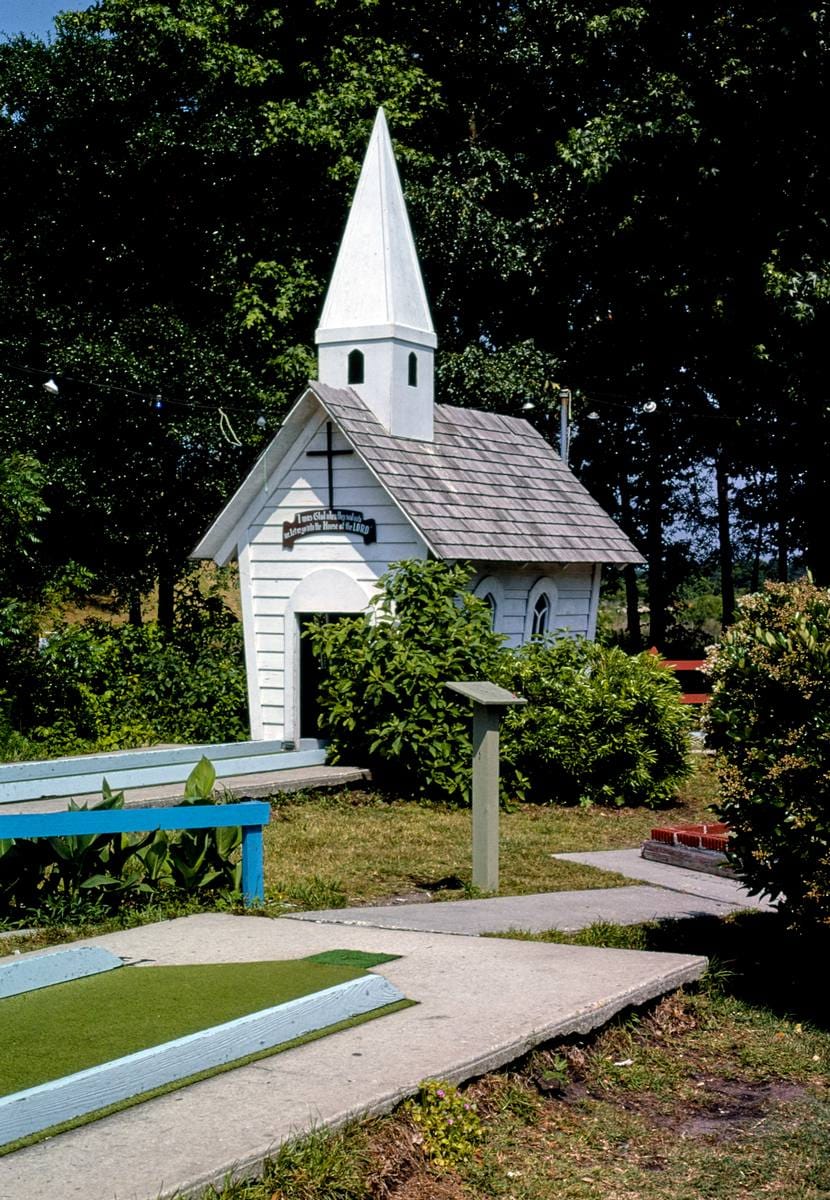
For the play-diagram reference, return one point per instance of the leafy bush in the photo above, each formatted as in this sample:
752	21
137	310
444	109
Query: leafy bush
383	702
74	876
600	726
769	721
101	686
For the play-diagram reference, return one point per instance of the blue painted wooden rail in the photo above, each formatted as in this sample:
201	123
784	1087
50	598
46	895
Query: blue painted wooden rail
251	815
83	774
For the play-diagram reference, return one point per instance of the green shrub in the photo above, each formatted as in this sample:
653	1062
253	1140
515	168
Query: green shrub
72	876
769	721
383	702
109	687
600	726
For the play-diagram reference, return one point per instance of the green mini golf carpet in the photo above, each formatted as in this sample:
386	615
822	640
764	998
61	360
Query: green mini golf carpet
71	1026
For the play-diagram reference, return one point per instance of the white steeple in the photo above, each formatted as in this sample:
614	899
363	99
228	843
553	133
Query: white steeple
376	334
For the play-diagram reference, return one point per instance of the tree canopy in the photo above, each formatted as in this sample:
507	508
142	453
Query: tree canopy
627	200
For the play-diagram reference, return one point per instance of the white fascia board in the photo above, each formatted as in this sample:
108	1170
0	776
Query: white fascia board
221	540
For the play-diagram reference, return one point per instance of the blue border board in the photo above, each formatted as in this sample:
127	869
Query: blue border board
43	970
37	1108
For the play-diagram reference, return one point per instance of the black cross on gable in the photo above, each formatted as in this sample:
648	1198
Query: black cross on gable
328	454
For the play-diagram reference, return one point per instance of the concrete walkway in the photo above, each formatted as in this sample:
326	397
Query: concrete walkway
630	863
481	1004
673	893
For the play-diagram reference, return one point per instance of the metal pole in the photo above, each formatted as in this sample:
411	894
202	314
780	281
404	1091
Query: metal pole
564	404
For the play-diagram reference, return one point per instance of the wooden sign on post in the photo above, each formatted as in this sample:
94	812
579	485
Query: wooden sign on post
489	703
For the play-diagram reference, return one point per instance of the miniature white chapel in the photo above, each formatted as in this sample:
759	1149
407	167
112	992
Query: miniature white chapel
367	470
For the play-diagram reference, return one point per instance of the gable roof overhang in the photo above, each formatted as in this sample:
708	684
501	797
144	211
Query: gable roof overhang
488	489
225	534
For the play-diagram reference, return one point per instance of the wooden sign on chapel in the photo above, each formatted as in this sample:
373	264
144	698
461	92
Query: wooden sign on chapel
331	519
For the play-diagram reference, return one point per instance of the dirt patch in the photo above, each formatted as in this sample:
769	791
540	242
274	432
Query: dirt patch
731	1106
670	1019
394	898
423	890
722	1109
426	1186
400	1171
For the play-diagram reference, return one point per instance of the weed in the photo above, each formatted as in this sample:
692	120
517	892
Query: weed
380	846
321	1166
311	893
448	1124
61	910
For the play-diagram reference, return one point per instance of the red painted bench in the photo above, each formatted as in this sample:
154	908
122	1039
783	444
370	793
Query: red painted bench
680	665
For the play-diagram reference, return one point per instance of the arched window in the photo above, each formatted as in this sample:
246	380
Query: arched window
355	366
412	370
542	609
490	600
540	621
491	591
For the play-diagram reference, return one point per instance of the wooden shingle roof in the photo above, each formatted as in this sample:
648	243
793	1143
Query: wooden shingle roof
489	488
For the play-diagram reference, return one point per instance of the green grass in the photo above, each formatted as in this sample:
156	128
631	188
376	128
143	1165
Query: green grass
71	1026
327	850
361	847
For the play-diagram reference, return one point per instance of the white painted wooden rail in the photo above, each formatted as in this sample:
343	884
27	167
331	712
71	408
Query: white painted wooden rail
85	773
36	1108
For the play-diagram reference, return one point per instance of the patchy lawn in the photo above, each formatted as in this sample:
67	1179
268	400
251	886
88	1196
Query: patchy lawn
358	847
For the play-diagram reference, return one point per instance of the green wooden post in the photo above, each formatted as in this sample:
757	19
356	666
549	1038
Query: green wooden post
489	703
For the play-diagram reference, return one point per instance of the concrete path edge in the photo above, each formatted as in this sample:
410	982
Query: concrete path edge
253	1165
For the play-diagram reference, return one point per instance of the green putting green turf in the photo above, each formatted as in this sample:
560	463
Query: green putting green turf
352	958
58	1030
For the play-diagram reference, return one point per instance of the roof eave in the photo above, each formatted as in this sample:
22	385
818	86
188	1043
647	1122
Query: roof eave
221	540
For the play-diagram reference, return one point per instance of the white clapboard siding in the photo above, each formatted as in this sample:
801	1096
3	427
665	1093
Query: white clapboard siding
385	515
264	624
573	592
574	604
326	548
275	572
272	679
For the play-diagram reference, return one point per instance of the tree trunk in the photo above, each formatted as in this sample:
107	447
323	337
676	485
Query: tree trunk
782	499
135	609
818	506
658	620
166	602
755	581
727	576
632	608
632	595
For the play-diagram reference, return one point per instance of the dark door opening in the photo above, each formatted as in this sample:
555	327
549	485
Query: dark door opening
312	671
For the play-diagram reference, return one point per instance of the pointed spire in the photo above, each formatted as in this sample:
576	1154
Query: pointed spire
377	284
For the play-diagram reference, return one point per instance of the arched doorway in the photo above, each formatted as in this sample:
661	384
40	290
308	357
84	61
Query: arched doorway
333	595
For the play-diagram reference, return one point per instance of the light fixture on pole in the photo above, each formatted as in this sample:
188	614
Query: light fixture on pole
51	387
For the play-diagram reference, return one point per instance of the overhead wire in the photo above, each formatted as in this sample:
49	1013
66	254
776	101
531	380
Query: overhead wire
154	397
